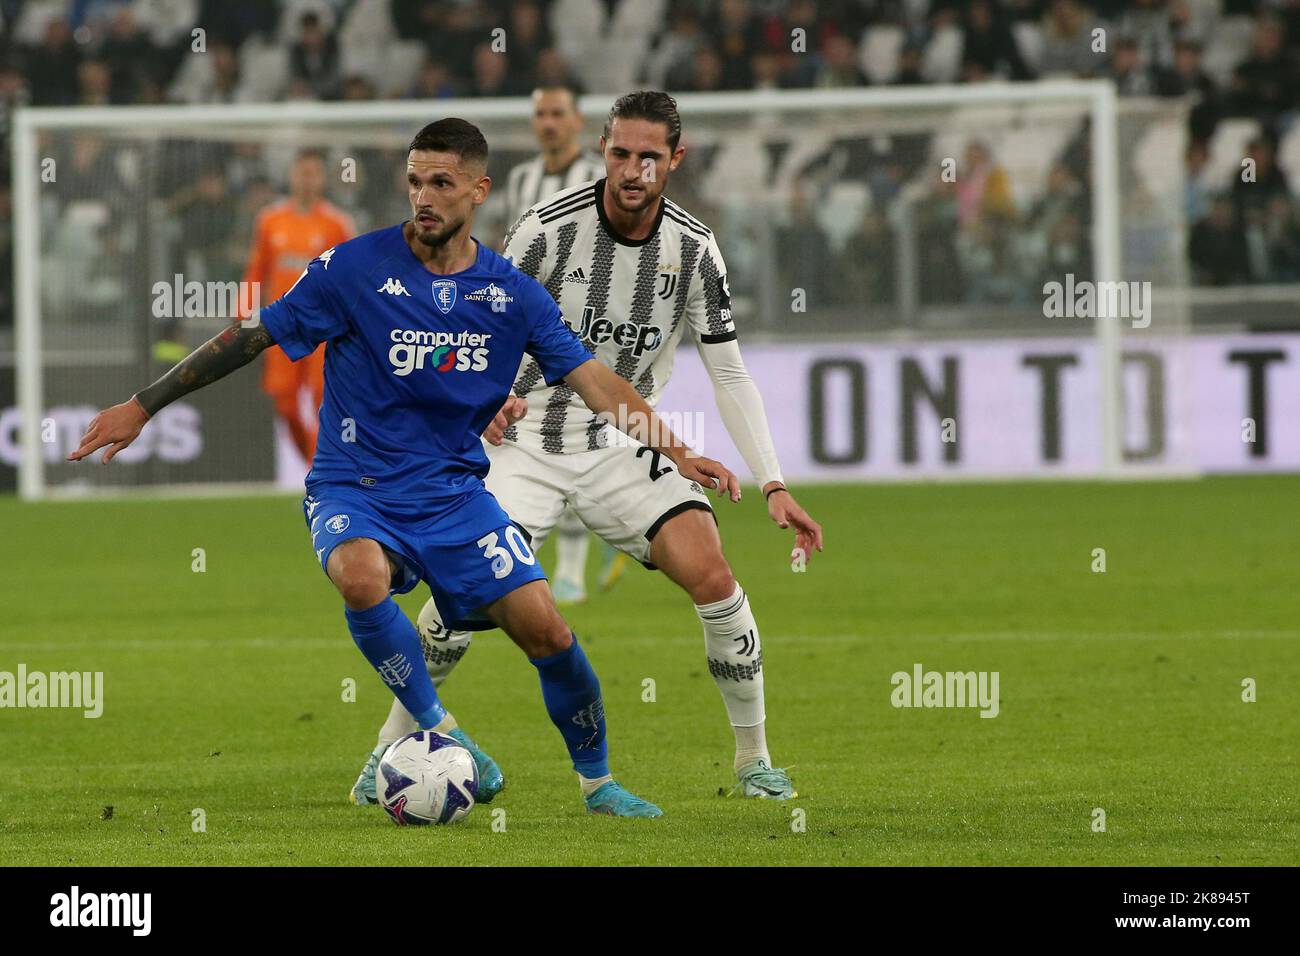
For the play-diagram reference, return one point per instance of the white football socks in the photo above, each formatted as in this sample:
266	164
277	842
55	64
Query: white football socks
443	649
571	542
735	655
399	724
592	784
751	745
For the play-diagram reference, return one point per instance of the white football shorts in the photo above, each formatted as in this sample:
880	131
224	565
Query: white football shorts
624	493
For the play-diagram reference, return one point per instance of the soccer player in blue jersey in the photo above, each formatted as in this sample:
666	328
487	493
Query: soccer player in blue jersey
426	328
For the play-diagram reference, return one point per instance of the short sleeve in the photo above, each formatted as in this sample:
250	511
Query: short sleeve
555	347
308	314
708	310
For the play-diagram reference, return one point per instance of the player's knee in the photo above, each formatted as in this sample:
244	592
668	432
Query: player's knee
713	581
546	637
553	638
360	574
362	590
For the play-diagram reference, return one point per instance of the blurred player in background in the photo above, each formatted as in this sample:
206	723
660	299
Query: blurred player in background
562	164
286	236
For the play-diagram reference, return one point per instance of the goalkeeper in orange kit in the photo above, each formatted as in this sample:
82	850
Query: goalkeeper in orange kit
286	236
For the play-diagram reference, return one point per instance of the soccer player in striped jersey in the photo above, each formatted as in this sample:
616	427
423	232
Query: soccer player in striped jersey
562	164
631	271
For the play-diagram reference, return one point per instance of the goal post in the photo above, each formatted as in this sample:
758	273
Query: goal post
91	243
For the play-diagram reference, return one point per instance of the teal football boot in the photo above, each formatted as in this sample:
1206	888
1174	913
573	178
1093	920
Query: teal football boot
490	779
612	800
363	791
757	779
567	593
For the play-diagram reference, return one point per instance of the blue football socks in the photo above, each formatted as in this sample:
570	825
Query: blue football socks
391	644
572	695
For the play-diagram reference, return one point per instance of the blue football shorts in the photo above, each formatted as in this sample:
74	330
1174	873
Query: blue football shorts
465	547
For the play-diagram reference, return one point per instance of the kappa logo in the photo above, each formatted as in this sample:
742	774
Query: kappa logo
578	275
338	524
489	293
444	294
394	287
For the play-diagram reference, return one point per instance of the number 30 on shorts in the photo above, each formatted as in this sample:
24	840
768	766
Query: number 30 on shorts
502	562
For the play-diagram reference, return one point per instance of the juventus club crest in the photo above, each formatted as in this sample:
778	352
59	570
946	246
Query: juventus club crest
444	294
667	283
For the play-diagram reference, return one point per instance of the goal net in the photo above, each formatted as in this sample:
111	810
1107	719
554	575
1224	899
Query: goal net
893	256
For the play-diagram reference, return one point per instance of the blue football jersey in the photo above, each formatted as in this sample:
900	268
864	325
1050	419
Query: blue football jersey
417	364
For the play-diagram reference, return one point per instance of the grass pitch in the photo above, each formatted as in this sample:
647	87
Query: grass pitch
1119	690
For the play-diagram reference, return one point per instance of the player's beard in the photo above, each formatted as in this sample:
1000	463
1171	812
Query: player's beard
434	240
647	199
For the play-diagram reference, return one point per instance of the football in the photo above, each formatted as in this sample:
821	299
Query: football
426	777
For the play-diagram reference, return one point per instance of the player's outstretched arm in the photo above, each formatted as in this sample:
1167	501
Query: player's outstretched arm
741	407
613	397
118	426
788	513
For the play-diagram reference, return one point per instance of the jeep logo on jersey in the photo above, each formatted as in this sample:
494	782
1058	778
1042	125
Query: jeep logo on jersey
444	294
441	351
628	335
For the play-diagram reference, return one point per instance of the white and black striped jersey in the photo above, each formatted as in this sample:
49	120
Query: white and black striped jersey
628	300
529	183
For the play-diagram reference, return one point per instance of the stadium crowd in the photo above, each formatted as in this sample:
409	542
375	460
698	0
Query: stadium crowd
1238	62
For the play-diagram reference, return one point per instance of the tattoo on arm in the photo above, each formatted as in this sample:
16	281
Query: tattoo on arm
232	348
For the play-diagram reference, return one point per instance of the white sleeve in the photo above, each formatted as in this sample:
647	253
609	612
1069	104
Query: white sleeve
741	408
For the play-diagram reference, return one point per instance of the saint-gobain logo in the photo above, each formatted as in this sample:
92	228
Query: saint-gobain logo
441	351
338	524
444	294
